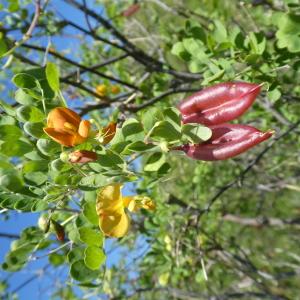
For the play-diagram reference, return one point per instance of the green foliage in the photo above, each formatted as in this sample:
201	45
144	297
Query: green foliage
245	244
90	237
93	257
52	75
288	32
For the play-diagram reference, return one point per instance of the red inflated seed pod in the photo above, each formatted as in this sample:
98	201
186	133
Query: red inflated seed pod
227	141
219	103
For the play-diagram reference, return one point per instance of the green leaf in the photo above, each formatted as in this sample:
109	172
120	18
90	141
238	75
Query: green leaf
163	279
41	89
164	169
173	116
194	30
21	202
195	133
23	98
138	146
164	130
10	132
220	32
75	254
30	114
94	181
79	271
274	94
48	147
13	5
11	180
15	148
7	120
35	130
52	74
36	178
149	117
35	165
5	164
154	162
94	257
7	108
89	211
56	259
218	75
120	147
132	130
90	237
288	34
59	166
193	46
23	80
109	159
179	50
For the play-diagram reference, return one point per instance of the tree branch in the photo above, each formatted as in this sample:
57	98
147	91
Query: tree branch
72	83
9	235
97	66
86	69
131	49
29	32
135	108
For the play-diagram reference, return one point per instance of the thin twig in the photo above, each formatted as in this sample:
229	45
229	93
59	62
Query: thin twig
81	66
29	32
97	66
135	108
9	235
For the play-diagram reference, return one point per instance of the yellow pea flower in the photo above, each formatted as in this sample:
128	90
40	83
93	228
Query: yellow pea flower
66	127
101	90
110	207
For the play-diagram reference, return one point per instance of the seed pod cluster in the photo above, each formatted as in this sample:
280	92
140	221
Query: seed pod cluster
213	107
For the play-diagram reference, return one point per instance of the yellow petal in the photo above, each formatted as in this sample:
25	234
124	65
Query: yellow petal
78	139
110	198
129	202
114	224
134	203
62	138
84	128
148	204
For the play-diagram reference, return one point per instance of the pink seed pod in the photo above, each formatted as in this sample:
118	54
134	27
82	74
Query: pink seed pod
227	141
219	103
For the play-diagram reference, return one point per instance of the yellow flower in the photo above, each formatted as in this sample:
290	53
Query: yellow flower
66	127
113	220
101	90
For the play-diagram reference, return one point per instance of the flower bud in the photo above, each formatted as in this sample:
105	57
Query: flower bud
59	230
64	156
82	156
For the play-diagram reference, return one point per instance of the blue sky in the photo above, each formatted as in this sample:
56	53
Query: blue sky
41	287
